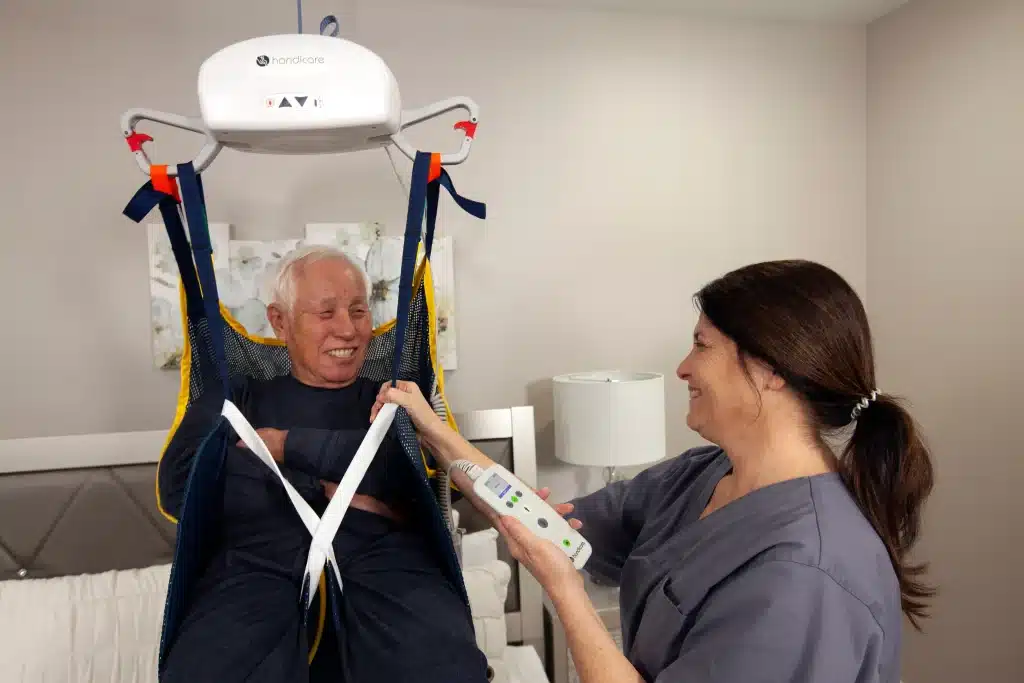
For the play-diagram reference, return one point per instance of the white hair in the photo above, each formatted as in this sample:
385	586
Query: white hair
283	292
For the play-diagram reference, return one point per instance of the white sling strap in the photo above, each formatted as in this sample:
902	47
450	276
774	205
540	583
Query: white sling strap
322	530
321	550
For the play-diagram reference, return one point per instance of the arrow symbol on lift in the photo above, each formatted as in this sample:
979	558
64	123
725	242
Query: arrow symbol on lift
301	99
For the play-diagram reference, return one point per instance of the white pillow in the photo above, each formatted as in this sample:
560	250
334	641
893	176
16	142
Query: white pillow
487	586
480	548
106	627
83	629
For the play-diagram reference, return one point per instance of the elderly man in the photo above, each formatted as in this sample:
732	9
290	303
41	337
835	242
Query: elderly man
401	619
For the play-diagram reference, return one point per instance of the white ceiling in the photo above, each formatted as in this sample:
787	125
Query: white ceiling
828	11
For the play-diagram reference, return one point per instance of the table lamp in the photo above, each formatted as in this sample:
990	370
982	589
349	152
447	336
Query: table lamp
609	419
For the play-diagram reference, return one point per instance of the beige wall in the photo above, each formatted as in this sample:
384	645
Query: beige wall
945	276
674	149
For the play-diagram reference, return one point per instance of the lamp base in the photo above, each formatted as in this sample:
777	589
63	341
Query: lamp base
611	475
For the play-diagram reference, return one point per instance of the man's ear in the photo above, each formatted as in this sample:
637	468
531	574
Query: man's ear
278	319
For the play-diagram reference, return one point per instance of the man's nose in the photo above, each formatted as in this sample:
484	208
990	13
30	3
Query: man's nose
341	325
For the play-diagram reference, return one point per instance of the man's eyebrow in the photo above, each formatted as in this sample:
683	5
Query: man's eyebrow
325	302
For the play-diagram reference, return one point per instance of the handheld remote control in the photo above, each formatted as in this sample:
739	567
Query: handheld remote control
504	492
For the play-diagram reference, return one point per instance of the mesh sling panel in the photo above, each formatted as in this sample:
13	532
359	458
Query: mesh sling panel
207	364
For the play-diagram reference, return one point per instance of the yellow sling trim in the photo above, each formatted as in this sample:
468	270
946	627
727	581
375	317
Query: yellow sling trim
179	411
322	591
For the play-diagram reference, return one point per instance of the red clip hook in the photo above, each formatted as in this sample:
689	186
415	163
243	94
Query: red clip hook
135	141
467	127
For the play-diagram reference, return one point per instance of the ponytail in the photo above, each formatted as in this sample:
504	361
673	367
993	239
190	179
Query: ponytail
889	470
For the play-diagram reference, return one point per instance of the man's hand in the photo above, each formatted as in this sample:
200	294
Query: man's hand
561	508
274	440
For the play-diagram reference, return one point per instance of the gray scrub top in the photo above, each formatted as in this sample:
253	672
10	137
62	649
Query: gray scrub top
788	583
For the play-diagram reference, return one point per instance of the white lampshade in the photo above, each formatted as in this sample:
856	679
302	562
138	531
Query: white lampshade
609	418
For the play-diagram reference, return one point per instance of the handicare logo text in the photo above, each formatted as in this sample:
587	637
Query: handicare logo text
576	553
264	60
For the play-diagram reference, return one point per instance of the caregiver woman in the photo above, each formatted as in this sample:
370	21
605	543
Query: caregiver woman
764	558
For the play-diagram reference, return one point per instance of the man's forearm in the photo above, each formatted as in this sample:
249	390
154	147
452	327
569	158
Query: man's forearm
322	453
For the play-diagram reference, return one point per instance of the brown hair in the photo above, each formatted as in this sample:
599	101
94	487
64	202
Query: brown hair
807	323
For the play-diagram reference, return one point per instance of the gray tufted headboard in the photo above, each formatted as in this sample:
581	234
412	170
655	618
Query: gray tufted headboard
87	504
81	504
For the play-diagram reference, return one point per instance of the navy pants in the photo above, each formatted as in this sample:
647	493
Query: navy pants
399	619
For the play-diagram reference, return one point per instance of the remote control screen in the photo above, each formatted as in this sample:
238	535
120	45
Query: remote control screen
497	484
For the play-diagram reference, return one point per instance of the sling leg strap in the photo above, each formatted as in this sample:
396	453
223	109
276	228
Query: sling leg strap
422	194
321	550
342	498
252	439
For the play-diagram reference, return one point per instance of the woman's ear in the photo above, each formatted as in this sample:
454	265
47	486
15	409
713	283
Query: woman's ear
775	382
765	376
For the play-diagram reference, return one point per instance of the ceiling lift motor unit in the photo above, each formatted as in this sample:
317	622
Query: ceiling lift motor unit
298	94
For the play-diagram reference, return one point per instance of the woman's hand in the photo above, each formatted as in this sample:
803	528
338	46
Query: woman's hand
409	396
549	565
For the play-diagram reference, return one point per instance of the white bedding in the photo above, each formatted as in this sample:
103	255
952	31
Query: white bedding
96	628
524	665
105	628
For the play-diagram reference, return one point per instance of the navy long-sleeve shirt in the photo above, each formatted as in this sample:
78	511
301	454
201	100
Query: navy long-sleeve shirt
325	428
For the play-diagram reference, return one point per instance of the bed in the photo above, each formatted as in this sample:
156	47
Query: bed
84	558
